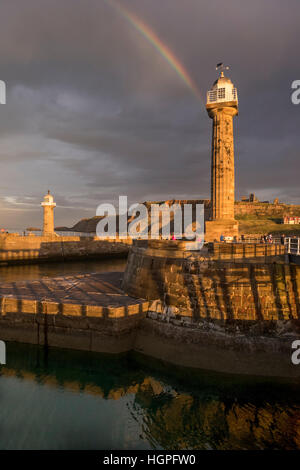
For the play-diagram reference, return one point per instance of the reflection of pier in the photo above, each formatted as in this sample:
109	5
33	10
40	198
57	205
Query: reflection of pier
213	412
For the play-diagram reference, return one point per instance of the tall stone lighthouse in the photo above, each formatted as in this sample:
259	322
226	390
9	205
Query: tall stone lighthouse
222	106
48	205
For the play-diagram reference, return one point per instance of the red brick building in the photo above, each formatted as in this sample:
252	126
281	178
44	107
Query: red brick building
291	220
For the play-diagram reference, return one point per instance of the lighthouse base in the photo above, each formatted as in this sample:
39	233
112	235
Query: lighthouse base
215	228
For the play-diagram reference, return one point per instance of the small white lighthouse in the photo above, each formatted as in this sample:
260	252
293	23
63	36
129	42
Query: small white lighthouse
48	205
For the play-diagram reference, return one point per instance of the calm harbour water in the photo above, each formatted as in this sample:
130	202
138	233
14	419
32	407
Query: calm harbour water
61	399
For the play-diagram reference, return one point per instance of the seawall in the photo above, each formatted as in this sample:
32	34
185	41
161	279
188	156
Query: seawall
87	312
249	285
15	249
232	308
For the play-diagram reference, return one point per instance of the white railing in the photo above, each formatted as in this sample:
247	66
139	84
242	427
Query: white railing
62	233
292	246
39	233
275	240
219	95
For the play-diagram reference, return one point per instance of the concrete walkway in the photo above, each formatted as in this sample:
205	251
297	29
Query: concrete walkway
100	290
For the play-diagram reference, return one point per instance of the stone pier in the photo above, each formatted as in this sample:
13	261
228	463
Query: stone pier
243	284
87	312
230	307
16	249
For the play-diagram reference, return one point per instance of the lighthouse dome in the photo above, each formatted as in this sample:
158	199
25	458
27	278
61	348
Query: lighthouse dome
48	197
222	81
48	200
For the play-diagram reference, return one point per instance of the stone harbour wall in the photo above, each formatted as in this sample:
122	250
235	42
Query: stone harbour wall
233	285
15	249
192	310
208	346
72	326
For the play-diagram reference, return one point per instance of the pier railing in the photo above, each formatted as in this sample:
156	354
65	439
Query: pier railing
258	240
292	246
76	234
24	233
276	240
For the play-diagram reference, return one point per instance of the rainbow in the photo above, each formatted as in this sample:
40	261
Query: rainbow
164	51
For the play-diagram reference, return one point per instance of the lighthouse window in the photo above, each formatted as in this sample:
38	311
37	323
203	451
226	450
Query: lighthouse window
221	93
212	95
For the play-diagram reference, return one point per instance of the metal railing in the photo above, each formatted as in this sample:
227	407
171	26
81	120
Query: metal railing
275	240
39	233
15	232
292	246
76	234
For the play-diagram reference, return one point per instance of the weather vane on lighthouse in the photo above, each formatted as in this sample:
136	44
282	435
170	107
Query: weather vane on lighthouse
222	67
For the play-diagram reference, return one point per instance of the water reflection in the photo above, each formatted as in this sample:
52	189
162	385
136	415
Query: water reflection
187	421
36	271
74	400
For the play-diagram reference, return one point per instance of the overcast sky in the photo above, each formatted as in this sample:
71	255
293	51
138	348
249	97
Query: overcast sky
94	111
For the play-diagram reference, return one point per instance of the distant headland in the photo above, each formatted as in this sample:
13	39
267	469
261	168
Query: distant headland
255	217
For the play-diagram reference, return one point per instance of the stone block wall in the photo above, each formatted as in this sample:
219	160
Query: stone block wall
222	287
16	249
70	325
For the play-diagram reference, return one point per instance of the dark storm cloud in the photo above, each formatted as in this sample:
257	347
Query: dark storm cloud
94	111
